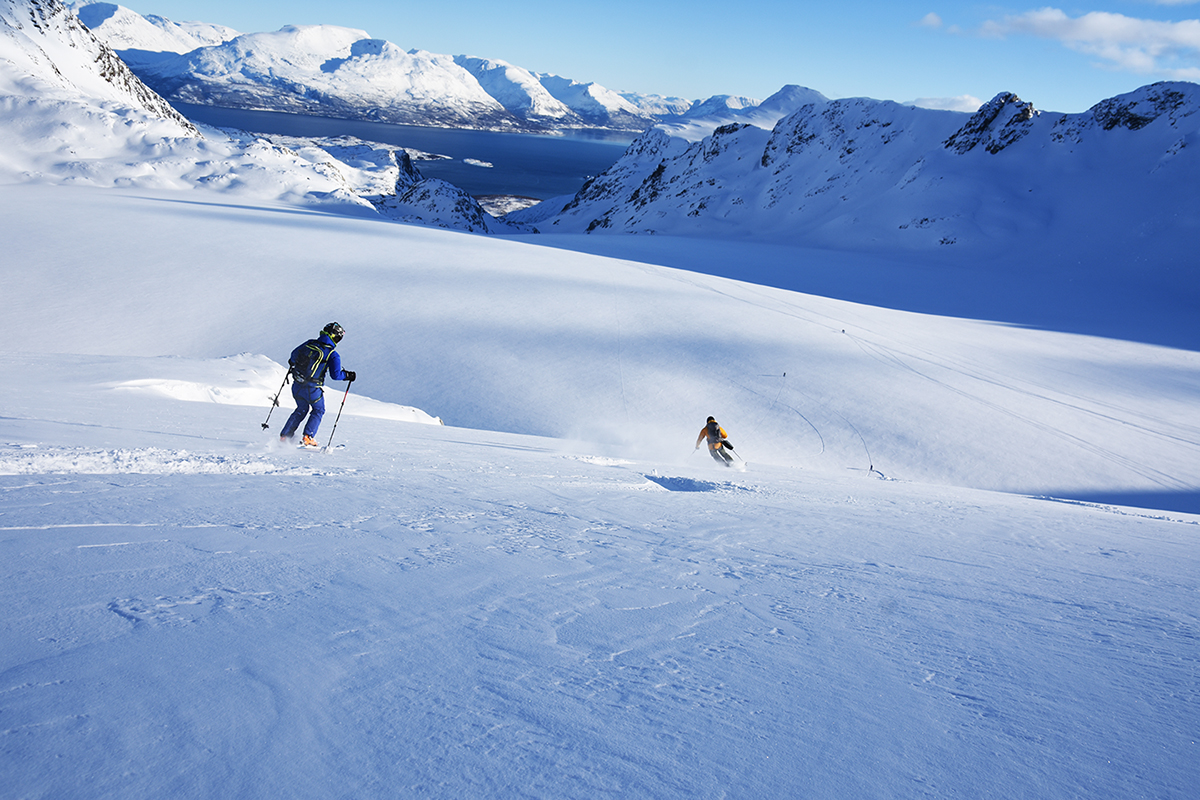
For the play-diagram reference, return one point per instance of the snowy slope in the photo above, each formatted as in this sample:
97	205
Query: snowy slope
629	356
141	38
553	594
194	611
52	61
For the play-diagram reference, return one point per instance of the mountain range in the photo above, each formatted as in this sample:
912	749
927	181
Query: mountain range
327	70
74	113
1113	184
888	176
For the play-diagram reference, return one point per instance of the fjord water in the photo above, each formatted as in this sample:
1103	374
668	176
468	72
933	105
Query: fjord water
525	164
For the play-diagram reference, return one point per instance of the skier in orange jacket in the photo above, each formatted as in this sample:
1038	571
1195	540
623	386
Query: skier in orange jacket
718	442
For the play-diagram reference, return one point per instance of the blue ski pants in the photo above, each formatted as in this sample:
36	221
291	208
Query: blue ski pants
310	400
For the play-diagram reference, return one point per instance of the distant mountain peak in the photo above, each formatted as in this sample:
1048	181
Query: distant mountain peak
998	123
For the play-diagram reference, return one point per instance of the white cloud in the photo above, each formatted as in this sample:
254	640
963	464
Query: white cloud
1137	45
964	102
930	20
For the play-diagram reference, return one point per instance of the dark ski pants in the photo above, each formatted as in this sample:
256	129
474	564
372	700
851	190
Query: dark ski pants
309	397
720	456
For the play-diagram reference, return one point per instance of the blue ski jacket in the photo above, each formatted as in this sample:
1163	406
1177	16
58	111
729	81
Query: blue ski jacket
311	361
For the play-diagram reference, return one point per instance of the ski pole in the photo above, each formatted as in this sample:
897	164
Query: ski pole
275	401
339	416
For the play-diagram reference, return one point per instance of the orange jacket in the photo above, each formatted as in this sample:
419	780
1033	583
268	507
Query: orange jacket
713	444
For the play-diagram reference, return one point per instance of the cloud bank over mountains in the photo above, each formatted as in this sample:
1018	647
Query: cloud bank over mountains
1146	47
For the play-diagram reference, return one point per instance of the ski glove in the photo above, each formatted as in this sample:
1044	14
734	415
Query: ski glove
350	376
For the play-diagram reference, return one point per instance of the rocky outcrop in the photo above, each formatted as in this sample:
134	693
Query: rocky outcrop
996	125
78	58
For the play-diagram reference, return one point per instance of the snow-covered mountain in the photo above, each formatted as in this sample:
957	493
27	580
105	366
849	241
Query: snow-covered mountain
330	71
876	174
72	112
52	63
702	118
595	104
520	92
140	38
656	105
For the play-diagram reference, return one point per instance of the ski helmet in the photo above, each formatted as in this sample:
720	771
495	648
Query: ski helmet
335	332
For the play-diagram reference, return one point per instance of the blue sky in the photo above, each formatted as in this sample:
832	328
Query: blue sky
1059	57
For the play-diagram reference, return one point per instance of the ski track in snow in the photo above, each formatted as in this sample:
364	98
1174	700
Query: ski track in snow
91	461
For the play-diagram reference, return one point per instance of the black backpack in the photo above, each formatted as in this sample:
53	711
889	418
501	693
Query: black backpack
714	435
311	362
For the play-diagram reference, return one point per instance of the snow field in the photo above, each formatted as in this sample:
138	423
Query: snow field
448	612
197	610
505	335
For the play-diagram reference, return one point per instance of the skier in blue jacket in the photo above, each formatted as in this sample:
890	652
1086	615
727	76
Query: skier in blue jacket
308	365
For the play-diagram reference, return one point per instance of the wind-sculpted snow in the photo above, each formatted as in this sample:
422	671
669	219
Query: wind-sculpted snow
43	460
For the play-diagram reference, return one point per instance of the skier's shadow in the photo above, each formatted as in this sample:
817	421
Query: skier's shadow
683	484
